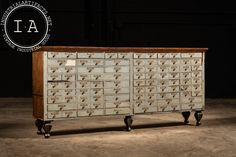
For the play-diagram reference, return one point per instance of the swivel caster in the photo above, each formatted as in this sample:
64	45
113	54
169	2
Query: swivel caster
47	128
39	124
198	116
186	116
128	122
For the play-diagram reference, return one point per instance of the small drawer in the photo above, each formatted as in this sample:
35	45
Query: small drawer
96	91
55	92
151	62
197	68
139	76
151	89
174	69
139	55
174	55
117	98
185	81
145	109
61	55
162	95
114	111
116	84
151	83
186	62
139	69
116	62
54	77
68	85
173	75
83	62
97	105
162	69
124	55
162	76
83	84
152	75
191	55
116	76
96	84
163	82
174	82
196	61
186	68
96	112
185	87
151	69
185	94
163	55
111	55
55	99
117	104
82	77
117	69
185	75
150	96
163	62
161	89
69	114
197	74
83	105
174	88
83	91
56	62
151	55
196	93
174	62
90	70
196	87
139	62
139	90
90	55
96	77
140	96
61	107
116	90
191	106
138	83
96	62
191	100
68	77
68	92
53	70
196	80
54	85
138	103
83	98
68	70
54	114
68	99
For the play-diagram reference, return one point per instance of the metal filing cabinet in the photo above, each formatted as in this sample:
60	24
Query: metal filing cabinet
72	82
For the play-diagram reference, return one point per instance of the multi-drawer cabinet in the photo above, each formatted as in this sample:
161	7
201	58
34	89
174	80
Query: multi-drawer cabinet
72	82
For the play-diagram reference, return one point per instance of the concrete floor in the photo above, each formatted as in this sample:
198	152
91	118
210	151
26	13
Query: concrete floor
152	135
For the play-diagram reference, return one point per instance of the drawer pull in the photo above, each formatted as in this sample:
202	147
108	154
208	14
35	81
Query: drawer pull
117	98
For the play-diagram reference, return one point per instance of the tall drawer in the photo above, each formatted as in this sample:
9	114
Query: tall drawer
116	76
90	69
113	111
117	104
90	55
57	107
90	112
116	62
116	84
112	69
116	98
145	109
61	55
116	90
61	85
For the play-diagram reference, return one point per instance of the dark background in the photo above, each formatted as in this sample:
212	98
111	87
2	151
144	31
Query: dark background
185	23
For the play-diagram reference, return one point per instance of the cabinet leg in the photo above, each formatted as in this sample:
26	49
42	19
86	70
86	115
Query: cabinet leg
39	124
186	116
128	122
198	116
47	128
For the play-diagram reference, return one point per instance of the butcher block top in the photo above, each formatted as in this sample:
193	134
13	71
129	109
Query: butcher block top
119	49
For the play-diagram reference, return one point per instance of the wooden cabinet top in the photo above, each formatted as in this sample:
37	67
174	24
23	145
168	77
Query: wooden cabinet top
119	49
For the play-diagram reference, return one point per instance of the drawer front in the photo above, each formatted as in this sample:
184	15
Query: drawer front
191	55
97	105
138	83
61	62
112	69
54	77
116	62
139	55
145	109
152	75
90	55
61	114
139	90
90	70
192	106
111	55
69	114
139	62
83	105
116	98
61	55
115	111
83	84
61	85
124	55
116	76
68	77
57	92
96	84
116	90
90	112
60	107
151	55
138	76
116	84
117	104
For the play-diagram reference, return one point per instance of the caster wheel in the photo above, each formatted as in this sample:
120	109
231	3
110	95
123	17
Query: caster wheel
128	122
46	135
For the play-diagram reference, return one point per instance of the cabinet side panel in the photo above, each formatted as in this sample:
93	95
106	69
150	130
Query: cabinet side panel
37	84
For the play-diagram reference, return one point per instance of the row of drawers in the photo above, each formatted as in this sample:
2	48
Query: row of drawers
123	62
121	55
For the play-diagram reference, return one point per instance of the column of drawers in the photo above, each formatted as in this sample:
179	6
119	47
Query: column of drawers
117	83
191	83
144	75
90	84
168	81
61	101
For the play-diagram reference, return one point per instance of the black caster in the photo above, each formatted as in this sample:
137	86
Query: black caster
47	128
198	116
186	116
128	122
39	124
